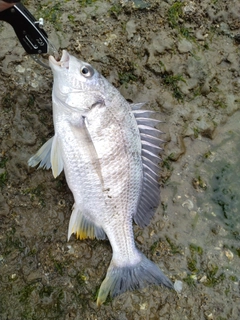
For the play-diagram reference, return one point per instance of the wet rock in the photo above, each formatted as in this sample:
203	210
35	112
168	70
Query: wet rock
161	42
205	89
164	310
131	28
34	276
201	35
237	38
140	239
72	272
184	46
166	102
189	7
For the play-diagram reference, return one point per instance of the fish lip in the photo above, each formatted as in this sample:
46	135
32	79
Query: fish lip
63	62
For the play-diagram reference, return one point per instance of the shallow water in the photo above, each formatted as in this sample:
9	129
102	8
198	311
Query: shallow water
186	65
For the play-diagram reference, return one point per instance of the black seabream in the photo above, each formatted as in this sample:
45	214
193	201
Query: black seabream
108	150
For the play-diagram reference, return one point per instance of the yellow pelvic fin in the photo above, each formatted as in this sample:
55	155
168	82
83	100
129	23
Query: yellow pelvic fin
82	234
83	227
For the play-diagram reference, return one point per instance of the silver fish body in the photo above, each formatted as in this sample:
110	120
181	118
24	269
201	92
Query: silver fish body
108	150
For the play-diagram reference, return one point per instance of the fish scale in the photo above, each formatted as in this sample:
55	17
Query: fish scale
109	152
81	169
108	146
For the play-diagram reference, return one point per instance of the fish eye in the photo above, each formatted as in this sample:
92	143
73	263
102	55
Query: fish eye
87	71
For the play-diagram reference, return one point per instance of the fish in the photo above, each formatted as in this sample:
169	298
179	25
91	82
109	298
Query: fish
109	151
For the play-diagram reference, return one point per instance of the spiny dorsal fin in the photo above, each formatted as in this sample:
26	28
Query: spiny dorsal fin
149	130
150	196
148	121
143	113
137	106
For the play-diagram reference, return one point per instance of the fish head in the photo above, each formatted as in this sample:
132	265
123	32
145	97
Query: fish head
76	83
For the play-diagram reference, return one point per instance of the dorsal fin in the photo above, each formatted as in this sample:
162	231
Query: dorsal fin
150	195
143	113
149	130
137	106
147	121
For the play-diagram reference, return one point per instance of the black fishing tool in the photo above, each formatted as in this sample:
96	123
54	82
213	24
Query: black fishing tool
30	32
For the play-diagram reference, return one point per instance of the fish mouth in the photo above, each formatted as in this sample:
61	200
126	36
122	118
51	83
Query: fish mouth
63	62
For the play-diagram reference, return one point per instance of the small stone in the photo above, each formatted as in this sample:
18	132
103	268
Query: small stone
140	239
205	89
143	306
34	276
188	204
178	285
189	8
70	249
203	279
20	69
111	38
229	254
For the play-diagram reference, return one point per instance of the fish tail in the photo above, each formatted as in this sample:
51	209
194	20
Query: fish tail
127	278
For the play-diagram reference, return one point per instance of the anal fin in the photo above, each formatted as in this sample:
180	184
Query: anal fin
83	227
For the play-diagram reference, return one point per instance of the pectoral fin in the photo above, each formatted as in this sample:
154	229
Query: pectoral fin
92	150
48	156
42	157
56	157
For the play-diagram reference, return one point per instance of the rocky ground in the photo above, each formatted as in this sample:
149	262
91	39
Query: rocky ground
182	57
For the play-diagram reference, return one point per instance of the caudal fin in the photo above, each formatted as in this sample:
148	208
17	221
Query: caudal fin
121	279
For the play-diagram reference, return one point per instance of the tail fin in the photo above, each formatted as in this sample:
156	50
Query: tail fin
121	279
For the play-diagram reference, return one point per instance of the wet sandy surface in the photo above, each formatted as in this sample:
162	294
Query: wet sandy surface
181	57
